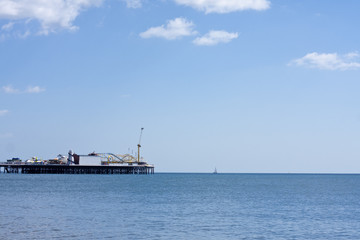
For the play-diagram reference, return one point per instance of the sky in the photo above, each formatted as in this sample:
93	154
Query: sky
246	86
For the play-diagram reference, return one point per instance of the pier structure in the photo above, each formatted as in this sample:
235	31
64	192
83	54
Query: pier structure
92	163
75	169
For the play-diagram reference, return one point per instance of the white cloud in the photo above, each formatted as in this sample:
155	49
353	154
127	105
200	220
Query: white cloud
133	3
10	89
3	112
35	89
51	14
174	29
328	61
8	26
352	55
24	35
215	37
225	6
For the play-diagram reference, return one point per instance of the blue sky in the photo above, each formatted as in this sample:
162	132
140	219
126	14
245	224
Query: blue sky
246	86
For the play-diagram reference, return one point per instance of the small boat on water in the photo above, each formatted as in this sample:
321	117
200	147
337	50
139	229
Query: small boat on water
215	171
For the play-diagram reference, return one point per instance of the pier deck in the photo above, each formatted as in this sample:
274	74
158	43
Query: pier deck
75	169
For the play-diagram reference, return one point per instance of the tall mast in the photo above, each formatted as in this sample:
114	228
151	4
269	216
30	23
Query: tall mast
139	146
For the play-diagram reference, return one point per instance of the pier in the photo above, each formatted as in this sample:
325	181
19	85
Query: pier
75	169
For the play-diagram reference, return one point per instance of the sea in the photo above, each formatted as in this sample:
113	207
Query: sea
180	206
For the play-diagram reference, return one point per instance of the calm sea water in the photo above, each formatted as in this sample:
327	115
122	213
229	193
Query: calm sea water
180	206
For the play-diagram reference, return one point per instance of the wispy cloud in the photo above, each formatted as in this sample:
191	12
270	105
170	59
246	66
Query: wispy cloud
8	26
214	38
174	29
328	61
352	55
133	3
52	15
11	90
24	34
35	89
6	135
225	6
125	95
3	112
